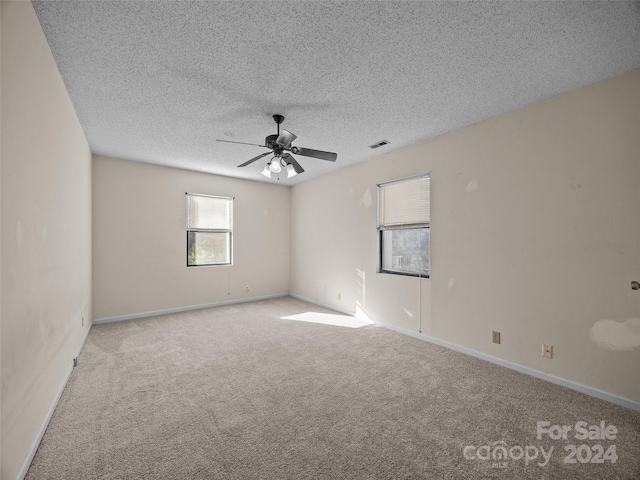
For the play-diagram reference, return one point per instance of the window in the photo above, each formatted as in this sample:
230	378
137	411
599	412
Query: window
209	230
404	215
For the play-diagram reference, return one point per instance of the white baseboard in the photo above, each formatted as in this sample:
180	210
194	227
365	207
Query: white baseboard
24	468
184	309
594	392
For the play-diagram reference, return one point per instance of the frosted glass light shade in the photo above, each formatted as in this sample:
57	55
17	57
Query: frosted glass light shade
291	172
274	165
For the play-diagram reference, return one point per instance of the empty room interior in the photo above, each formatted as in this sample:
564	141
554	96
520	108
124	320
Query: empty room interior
288	240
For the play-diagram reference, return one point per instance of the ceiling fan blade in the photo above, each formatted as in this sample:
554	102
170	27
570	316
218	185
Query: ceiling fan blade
285	138
241	143
296	166
254	159
309	152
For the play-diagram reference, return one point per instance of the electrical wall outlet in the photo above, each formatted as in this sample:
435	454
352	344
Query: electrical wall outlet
547	350
496	337
246	289
82	324
339	296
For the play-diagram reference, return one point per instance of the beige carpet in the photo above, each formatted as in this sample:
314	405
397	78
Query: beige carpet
238	392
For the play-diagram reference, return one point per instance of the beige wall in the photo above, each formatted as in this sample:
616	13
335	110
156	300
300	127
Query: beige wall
46	233
139	239
535	233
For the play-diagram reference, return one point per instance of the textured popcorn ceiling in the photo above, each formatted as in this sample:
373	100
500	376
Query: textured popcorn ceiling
160	81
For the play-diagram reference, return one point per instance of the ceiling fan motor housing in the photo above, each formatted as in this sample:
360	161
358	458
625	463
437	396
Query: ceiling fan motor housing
270	142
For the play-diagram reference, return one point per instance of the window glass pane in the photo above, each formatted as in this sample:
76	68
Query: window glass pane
406	251
210	212
208	248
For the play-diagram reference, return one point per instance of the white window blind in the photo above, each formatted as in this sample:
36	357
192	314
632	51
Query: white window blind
209	213
405	202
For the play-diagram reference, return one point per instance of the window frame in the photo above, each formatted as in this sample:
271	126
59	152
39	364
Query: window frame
228	231
381	229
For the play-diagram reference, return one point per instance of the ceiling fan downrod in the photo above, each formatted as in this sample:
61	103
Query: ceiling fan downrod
278	119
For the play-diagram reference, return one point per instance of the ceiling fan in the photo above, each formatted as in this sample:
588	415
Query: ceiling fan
280	145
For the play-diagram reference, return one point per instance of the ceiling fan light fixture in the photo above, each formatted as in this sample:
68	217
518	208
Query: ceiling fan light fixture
266	171
291	172
274	165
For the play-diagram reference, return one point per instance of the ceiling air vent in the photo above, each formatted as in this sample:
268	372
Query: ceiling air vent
379	144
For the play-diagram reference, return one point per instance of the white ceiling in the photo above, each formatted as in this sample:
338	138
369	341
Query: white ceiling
160	81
